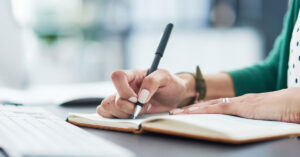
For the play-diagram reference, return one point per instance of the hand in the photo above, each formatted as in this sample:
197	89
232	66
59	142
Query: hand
283	105
159	92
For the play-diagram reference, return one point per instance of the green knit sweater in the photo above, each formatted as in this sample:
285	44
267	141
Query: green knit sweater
272	73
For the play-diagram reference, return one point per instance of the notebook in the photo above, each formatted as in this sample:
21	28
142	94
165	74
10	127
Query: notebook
212	127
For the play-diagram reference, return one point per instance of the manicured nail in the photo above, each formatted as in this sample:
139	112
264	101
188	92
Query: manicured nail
143	96
117	97
176	111
193	108
133	99
148	108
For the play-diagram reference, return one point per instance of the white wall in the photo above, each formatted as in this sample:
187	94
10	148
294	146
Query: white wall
213	50
11	62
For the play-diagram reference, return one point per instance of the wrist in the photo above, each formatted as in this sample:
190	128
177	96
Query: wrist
189	88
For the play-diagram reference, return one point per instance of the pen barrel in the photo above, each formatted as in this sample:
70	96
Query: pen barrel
154	64
164	40
161	48
159	53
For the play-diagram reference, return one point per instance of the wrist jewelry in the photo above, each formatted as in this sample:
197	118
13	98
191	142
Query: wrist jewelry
200	85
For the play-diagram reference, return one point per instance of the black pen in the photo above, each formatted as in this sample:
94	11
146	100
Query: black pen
159	53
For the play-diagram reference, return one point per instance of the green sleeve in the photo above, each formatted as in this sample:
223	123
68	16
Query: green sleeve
257	78
265	77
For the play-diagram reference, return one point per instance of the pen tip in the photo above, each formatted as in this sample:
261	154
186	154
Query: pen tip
137	111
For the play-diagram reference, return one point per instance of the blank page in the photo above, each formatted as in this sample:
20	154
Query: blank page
235	127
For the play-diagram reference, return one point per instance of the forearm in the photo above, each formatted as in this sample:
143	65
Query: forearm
217	86
290	99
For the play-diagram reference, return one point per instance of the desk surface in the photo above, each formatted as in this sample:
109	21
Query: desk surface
151	144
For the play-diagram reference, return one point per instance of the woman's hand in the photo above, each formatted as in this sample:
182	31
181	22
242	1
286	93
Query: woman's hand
159	92
282	105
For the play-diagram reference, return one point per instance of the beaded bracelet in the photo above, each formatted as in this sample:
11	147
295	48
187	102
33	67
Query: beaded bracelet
200	85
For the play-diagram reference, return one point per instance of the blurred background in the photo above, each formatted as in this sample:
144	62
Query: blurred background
78	41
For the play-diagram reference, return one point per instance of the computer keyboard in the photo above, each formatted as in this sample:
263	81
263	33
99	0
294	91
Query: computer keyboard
34	132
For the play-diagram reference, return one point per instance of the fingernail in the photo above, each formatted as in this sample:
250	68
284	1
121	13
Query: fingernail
176	111
117	97
193	108
149	107
133	99
143	96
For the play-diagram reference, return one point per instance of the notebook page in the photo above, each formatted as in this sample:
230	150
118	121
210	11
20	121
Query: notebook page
236	127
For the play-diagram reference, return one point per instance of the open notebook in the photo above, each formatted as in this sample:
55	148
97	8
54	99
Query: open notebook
213	127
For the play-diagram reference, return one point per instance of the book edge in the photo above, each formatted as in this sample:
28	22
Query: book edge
180	134
216	139
136	131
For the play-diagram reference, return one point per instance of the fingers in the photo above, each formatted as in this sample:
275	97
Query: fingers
146	109
110	108
208	107
121	81
151	83
125	106
120	108
103	108
122	104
